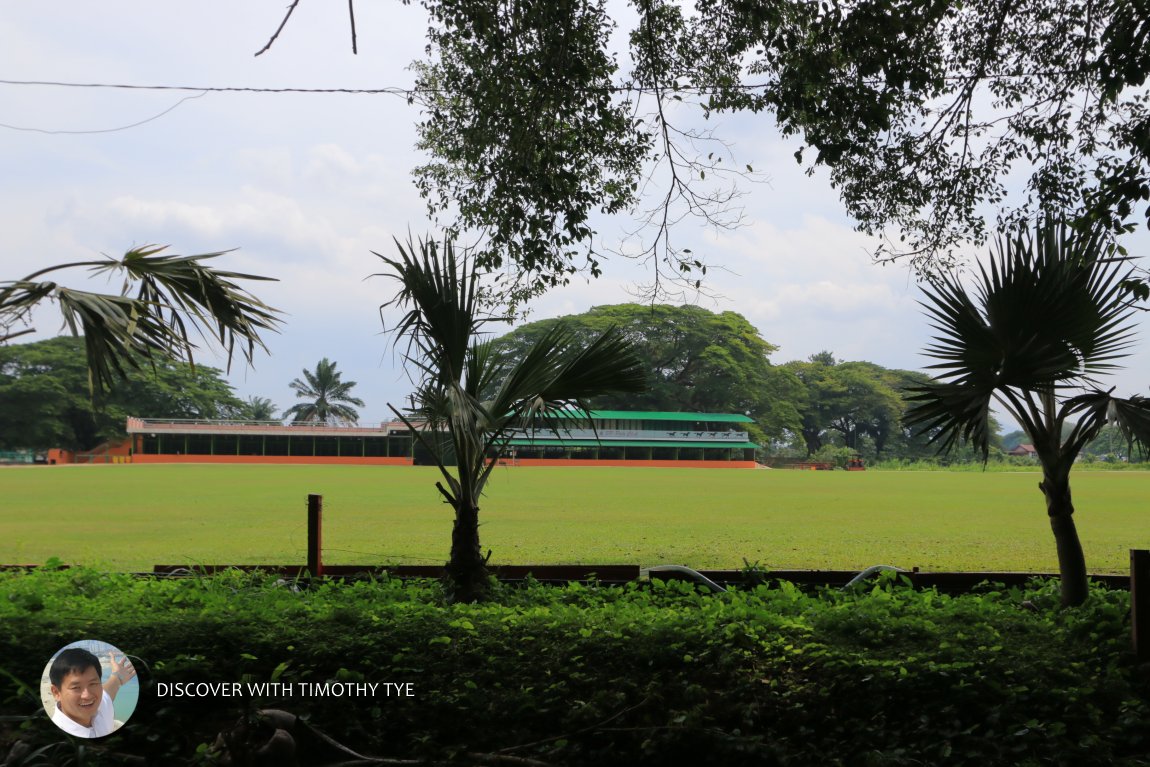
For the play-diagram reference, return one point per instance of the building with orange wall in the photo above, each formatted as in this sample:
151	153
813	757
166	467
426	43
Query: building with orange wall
608	438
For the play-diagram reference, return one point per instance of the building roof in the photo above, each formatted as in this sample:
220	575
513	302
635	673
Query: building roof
658	415
178	426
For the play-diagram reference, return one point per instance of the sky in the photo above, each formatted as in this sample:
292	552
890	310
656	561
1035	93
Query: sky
304	187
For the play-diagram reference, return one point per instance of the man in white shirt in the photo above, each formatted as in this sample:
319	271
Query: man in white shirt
83	704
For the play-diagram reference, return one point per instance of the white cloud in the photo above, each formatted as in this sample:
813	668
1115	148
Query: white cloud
305	186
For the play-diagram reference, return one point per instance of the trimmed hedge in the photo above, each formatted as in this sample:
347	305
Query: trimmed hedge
647	674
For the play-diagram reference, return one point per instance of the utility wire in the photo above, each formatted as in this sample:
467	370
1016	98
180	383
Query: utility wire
103	130
408	93
404	92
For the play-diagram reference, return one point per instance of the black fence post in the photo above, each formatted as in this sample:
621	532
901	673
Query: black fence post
1140	602
315	535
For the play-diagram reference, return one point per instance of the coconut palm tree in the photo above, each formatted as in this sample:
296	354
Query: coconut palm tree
258	409
469	401
1048	317
329	397
162	299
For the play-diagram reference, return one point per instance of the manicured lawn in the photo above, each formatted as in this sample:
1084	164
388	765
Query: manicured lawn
131	517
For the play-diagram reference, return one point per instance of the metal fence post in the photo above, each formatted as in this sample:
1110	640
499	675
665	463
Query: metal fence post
315	535
1140	602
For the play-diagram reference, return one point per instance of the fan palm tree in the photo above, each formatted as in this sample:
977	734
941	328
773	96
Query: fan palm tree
1048	317
163	297
329	397
469	401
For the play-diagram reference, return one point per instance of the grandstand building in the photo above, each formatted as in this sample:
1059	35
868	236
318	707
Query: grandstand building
612	438
155	440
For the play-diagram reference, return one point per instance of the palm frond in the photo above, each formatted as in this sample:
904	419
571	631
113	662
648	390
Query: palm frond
443	316
175	293
955	412
118	333
1048	311
1096	409
1132	417
442	296
184	293
17	300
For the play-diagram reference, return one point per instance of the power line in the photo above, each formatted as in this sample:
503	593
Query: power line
103	130
402	92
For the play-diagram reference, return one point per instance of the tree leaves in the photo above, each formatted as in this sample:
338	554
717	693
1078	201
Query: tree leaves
329	397
1046	317
45	400
176	298
469	400
525	137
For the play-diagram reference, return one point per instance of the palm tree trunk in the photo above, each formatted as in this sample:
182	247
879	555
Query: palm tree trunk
1055	486
467	570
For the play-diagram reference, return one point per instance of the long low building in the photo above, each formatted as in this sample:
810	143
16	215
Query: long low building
155	440
607	438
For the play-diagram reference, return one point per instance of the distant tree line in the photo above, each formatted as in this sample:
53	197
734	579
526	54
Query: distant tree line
46	400
702	361
696	361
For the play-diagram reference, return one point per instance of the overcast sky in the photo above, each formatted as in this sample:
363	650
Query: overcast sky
305	186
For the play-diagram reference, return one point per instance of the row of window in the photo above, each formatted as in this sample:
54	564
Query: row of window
399	446
639	425
606	453
258	444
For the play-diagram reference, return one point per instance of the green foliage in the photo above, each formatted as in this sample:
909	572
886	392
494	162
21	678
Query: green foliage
1039	326
45	401
257	409
836	456
175	297
927	113
470	400
923	110
526	138
856	405
637	675
329	399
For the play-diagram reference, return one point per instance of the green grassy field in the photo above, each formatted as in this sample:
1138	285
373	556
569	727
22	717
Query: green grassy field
130	517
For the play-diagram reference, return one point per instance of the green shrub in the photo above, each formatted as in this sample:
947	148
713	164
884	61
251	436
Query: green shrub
643	674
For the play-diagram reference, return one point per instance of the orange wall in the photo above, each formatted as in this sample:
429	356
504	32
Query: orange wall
275	459
394	461
107	453
56	455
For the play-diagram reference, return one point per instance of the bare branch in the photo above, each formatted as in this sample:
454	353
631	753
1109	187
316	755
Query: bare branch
290	10
351	16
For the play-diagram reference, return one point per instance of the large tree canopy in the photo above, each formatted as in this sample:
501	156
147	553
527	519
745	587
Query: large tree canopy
933	117
934	114
859	405
695	361
45	400
854	399
525	138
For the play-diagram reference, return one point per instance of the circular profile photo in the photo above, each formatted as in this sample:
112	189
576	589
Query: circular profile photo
89	688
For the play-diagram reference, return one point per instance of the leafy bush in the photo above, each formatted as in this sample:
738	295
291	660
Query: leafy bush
657	673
